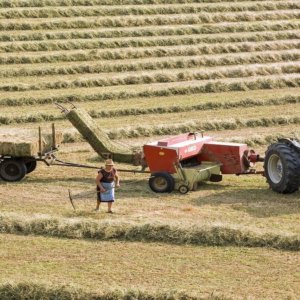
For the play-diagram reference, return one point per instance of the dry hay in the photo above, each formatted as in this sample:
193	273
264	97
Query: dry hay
214	235
29	290
96	137
26	146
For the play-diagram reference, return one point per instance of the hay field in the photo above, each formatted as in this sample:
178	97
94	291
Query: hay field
146	69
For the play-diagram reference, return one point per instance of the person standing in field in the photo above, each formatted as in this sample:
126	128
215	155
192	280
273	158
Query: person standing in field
106	181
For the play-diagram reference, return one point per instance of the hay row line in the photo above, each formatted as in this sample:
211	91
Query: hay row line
267	140
168	63
157	77
142	131
145	10
156	31
244	103
210	87
251	142
234	46
209	236
44	3
95	55
35	291
134	21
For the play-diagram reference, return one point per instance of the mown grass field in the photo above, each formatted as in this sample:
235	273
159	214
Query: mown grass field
146	69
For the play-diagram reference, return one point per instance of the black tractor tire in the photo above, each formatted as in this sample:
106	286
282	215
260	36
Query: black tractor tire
31	166
12	170
282	168
161	182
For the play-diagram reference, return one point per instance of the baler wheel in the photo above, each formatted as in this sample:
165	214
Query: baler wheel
282	168
161	182
183	189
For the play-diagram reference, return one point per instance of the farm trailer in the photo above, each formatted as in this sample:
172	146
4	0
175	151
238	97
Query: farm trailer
19	156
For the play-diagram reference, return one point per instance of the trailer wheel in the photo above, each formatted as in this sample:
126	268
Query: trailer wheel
161	182
12	170
282	168
31	166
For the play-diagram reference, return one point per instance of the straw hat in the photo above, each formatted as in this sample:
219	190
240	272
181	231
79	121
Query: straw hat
109	162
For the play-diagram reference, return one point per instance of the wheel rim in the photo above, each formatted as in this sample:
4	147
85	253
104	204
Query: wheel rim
12	170
160	183
275	168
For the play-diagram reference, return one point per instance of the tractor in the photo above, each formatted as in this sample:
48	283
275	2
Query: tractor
282	166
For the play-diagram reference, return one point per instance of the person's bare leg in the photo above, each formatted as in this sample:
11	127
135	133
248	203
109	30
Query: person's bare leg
109	205
98	205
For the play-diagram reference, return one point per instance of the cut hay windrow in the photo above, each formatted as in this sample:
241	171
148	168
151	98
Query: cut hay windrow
163	233
234	124
159	77
287	41
44	3
170	63
267	140
28	290
134	21
119	54
156	31
255	141
97	138
41	117
36	118
210	87
145	10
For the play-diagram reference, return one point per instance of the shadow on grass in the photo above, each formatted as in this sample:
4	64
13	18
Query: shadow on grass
259	202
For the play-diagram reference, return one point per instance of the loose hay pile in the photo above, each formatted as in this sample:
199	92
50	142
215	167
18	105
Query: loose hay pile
96	137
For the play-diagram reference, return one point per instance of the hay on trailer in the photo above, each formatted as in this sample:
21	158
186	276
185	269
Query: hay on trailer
26	145
11	145
96	137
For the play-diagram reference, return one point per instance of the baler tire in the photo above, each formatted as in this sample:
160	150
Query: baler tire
12	170
161	182
183	189
31	166
282	168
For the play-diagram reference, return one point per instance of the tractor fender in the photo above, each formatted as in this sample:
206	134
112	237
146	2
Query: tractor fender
293	143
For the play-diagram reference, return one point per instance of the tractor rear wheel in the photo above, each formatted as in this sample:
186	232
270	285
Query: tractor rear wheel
161	182
282	168
12	170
